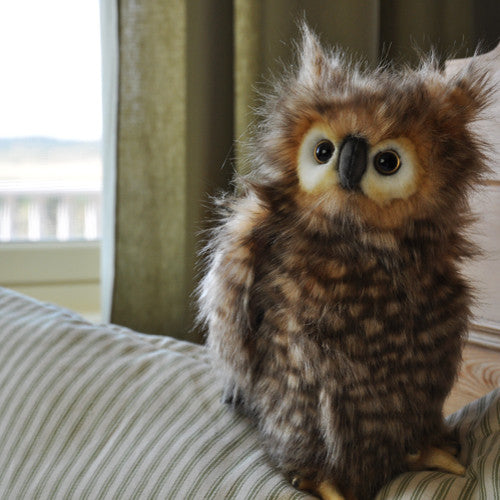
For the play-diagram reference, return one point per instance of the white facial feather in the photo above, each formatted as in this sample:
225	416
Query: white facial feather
401	185
313	175
319	177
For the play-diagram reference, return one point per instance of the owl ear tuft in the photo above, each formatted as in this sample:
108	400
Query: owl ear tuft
313	62
469	90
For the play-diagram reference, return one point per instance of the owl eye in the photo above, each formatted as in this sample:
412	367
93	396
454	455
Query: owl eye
323	151
387	162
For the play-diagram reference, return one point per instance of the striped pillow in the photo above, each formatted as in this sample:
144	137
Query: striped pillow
95	412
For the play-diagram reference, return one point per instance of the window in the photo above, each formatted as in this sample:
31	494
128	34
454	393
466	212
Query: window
50	149
50	132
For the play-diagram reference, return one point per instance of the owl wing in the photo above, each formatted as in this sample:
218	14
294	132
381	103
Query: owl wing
226	294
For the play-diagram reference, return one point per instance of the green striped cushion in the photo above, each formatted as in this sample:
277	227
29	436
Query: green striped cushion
95	412
479	429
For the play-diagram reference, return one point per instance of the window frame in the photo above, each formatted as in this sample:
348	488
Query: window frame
66	273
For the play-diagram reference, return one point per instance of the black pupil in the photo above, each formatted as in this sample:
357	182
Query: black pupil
324	151
387	162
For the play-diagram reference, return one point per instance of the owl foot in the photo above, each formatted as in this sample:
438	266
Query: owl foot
435	458
325	490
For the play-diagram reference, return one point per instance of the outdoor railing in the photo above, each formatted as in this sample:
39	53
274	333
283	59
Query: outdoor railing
34	213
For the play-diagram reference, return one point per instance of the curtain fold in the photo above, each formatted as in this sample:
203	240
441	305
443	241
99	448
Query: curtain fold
174	127
185	89
150	284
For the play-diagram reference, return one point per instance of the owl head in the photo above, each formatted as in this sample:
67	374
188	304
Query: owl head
379	147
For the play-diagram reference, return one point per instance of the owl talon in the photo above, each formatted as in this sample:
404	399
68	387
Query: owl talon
325	490
435	458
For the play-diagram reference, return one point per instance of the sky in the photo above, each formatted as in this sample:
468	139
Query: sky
50	69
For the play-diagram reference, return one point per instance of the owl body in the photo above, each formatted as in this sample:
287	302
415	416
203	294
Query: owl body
333	298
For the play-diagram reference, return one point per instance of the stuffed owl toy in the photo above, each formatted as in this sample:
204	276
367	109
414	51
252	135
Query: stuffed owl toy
332	298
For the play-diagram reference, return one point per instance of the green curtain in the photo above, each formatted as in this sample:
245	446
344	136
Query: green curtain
185	86
173	133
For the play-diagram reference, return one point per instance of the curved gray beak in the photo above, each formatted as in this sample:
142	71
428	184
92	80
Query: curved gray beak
353	157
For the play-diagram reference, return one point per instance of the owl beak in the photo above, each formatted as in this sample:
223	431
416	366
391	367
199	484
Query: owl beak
352	161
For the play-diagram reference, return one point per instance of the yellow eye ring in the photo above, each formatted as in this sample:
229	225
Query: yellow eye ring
323	151
387	162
